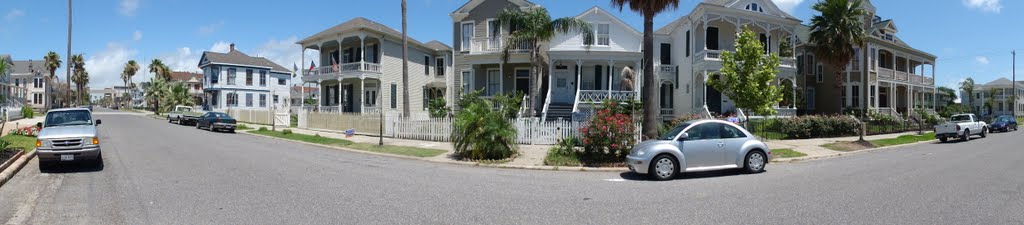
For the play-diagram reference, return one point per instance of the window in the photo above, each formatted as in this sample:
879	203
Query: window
856	95
871	96
232	98
843	96
706	131
493	82
764	43
818	74
467	36
394	96
248	77
248	100
711	37
231	76
810	97
214	75
754	7
732	132
688	44
275	99
426	65
426	98
603	33
467	79
439	67
263	100
17	82
799	65
263	78
282	81
35	83
810	64
666	54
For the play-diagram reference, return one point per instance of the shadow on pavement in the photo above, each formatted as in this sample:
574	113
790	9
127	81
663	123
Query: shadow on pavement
686	176
74	167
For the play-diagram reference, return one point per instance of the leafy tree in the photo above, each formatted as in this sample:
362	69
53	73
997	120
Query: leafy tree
747	74
835	32
953	109
536	27
948	92
649	9
53	62
990	100
130	69
482	132
155	92
785	50
438	108
967	86
176	94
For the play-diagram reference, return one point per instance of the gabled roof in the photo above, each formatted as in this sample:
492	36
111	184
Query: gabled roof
885	24
1002	81
471	4
27	67
235	57
614	18
186	76
438	46
356	24
770	4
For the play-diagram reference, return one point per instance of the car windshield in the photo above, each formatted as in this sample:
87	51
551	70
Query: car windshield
960	118
671	134
68	118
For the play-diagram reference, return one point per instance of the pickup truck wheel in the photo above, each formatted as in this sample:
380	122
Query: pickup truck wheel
943	139
984	132
966	136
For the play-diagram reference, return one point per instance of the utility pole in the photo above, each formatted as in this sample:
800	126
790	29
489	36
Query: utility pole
1013	85
67	63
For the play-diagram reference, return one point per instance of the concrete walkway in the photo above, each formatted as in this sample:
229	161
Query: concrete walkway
21	123
813	149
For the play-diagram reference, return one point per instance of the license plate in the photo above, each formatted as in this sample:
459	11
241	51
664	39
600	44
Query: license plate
67	157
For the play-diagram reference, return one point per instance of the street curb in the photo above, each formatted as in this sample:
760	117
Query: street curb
464	163
12	169
794	160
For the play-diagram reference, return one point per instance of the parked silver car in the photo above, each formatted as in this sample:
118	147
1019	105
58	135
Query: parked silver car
68	135
699	145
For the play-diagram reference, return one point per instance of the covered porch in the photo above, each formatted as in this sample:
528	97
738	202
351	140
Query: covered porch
899	99
579	80
347	95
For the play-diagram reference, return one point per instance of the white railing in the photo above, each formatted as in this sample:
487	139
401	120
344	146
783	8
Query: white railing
787	62
785	111
901	76
597	96
371	109
929	80
330	108
547	102
371	67
484	45
665	72
916	78
884	73
345	67
667	111
708	55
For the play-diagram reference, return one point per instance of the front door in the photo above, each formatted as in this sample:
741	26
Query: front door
564	88
523	81
714	100
348	95
703	147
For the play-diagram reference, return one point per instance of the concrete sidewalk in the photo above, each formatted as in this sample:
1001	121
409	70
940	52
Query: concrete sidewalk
813	149
21	123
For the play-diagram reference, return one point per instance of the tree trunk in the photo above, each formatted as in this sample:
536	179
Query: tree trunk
651	111
46	91
839	86
535	76
405	64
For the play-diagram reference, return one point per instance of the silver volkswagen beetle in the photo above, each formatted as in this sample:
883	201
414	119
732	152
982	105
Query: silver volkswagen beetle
699	145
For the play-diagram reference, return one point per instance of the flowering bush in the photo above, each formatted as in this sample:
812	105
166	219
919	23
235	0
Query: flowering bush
819	126
26	131
610	133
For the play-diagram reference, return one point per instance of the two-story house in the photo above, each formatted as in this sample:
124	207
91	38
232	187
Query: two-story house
194	82
361	69
996	98
688	52
900	77
28	78
478	38
236	80
584	72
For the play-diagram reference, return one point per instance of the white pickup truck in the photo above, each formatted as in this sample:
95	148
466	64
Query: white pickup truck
961	126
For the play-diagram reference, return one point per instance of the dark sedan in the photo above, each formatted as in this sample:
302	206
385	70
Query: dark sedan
215	121
1003	123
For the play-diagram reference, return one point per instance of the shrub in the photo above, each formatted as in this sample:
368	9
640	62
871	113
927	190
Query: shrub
26	112
263	129
609	134
26	131
565	153
482	132
882	119
438	108
818	126
286	131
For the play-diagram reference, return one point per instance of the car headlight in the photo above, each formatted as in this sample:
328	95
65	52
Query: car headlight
95	141
39	143
640	152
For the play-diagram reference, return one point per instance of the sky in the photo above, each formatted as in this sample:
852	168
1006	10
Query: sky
971	38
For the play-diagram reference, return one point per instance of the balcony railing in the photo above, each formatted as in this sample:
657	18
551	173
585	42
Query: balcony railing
884	73
787	62
485	45
343	68
708	55
901	76
596	96
929	80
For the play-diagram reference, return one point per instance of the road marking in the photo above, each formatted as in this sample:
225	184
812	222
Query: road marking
615	180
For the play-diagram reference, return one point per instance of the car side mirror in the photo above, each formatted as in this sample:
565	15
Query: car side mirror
39	124
683	136
98	122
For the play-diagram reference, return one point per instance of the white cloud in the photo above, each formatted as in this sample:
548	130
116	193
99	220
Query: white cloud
137	35
14	14
993	6
284	52
128	7
210	28
788	5
187	59
221	46
105	67
981	60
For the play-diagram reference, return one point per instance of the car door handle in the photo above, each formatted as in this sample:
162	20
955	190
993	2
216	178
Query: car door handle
720	144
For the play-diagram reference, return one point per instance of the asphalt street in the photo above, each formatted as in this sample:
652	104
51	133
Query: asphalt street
160	173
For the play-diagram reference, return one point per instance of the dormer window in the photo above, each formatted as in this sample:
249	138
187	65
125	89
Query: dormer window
888	37
754	7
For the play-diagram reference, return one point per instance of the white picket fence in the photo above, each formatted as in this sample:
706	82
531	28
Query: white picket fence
254	116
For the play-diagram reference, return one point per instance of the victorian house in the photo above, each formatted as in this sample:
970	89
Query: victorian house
234	80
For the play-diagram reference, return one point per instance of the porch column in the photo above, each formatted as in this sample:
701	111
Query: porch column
339	94
362	90
322	90
610	77
302	59
501	78
876	96
794	95
704	97
362	55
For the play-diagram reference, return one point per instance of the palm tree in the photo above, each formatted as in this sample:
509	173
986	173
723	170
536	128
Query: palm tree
130	69
649	9
155	92
177	94
536	27
78	61
81	79
835	32
967	86
405	63
53	62
158	68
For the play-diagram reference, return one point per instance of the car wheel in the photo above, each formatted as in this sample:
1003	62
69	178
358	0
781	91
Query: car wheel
197	126
755	162
231	131
663	167
943	139
966	136
43	166
984	132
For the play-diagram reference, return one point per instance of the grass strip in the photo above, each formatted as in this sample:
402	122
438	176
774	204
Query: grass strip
787	153
388	149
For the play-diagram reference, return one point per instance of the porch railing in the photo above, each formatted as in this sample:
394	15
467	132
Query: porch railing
901	76
596	96
482	45
884	73
345	67
787	62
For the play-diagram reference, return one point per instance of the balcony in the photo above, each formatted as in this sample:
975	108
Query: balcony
353	69
787	62
494	45
715	58
901	76
886	74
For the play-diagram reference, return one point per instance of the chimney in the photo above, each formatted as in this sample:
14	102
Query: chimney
232	47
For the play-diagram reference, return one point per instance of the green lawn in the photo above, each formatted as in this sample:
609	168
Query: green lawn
905	139
25	143
389	149
787	153
555	159
242	127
